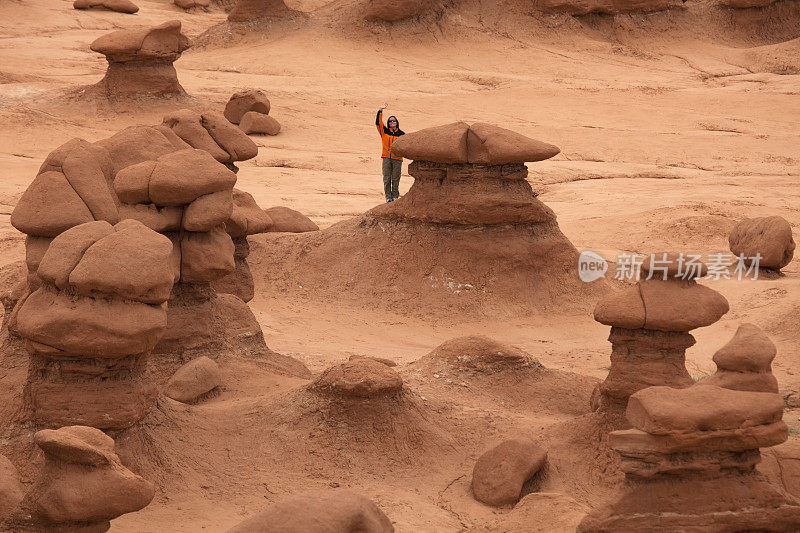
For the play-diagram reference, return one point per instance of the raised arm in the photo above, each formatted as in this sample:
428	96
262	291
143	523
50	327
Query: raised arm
379	121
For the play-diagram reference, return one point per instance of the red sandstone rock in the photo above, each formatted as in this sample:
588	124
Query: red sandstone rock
394	10
319	512
189	4
477	353
745	363
242	102
136	144
253	122
610	7
11	490
121	6
247	10
771	237
208	211
289	221
83	458
193	379
140	60
499	473
247	218
358	378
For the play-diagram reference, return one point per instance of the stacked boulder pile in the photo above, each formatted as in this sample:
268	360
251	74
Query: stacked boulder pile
82	486
689	464
650	323
250	110
92	321
769	238
140	61
120	6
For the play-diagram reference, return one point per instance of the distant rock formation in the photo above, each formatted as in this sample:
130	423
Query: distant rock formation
121	6
140	61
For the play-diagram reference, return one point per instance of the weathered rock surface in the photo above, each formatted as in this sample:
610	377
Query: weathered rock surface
245	101
120	6
500	473
769	237
192	380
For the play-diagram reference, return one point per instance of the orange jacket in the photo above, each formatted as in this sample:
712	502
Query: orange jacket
388	137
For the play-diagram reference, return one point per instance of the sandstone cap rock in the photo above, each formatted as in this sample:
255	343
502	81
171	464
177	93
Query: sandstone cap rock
164	42
673	305
359	378
771	237
664	410
244	101
478	143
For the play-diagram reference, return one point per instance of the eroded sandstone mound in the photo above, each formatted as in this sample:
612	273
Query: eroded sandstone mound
288	220
319	512
82	486
650	323
92	322
140	61
768	237
120	6
359	378
394	10
608	7
470	235
249	10
689	464
500	472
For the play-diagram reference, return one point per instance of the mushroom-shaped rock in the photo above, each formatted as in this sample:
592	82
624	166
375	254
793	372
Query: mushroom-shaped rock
478	143
288	220
211	132
319	512
745	363
253	122
120	6
251	10
500	473
358	378
71	188
469	175
11	491
477	353
140	60
99	306
242	102
394	10
83	483
193	379
768	237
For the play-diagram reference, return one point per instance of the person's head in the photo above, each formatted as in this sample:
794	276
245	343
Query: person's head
392	123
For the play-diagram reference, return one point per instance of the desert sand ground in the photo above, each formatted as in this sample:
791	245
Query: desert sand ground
671	129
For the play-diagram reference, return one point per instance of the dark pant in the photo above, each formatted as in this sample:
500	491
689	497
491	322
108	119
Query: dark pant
391	177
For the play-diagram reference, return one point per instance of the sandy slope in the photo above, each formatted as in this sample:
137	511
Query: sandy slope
671	129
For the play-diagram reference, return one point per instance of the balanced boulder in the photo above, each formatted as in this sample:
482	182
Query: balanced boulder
245	101
192	380
358	378
253	122
140	61
770	238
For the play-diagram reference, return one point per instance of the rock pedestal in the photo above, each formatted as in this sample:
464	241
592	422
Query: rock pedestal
689	464
140	61
91	323
650	323
745	363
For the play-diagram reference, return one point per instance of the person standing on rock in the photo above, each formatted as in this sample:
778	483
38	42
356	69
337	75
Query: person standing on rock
392	164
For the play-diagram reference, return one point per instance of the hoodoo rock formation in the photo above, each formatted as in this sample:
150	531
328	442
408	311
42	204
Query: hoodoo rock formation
745	363
92	322
469	235
768	237
250	10
650	323
82	487
120	6
140	61
319	512
689	464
